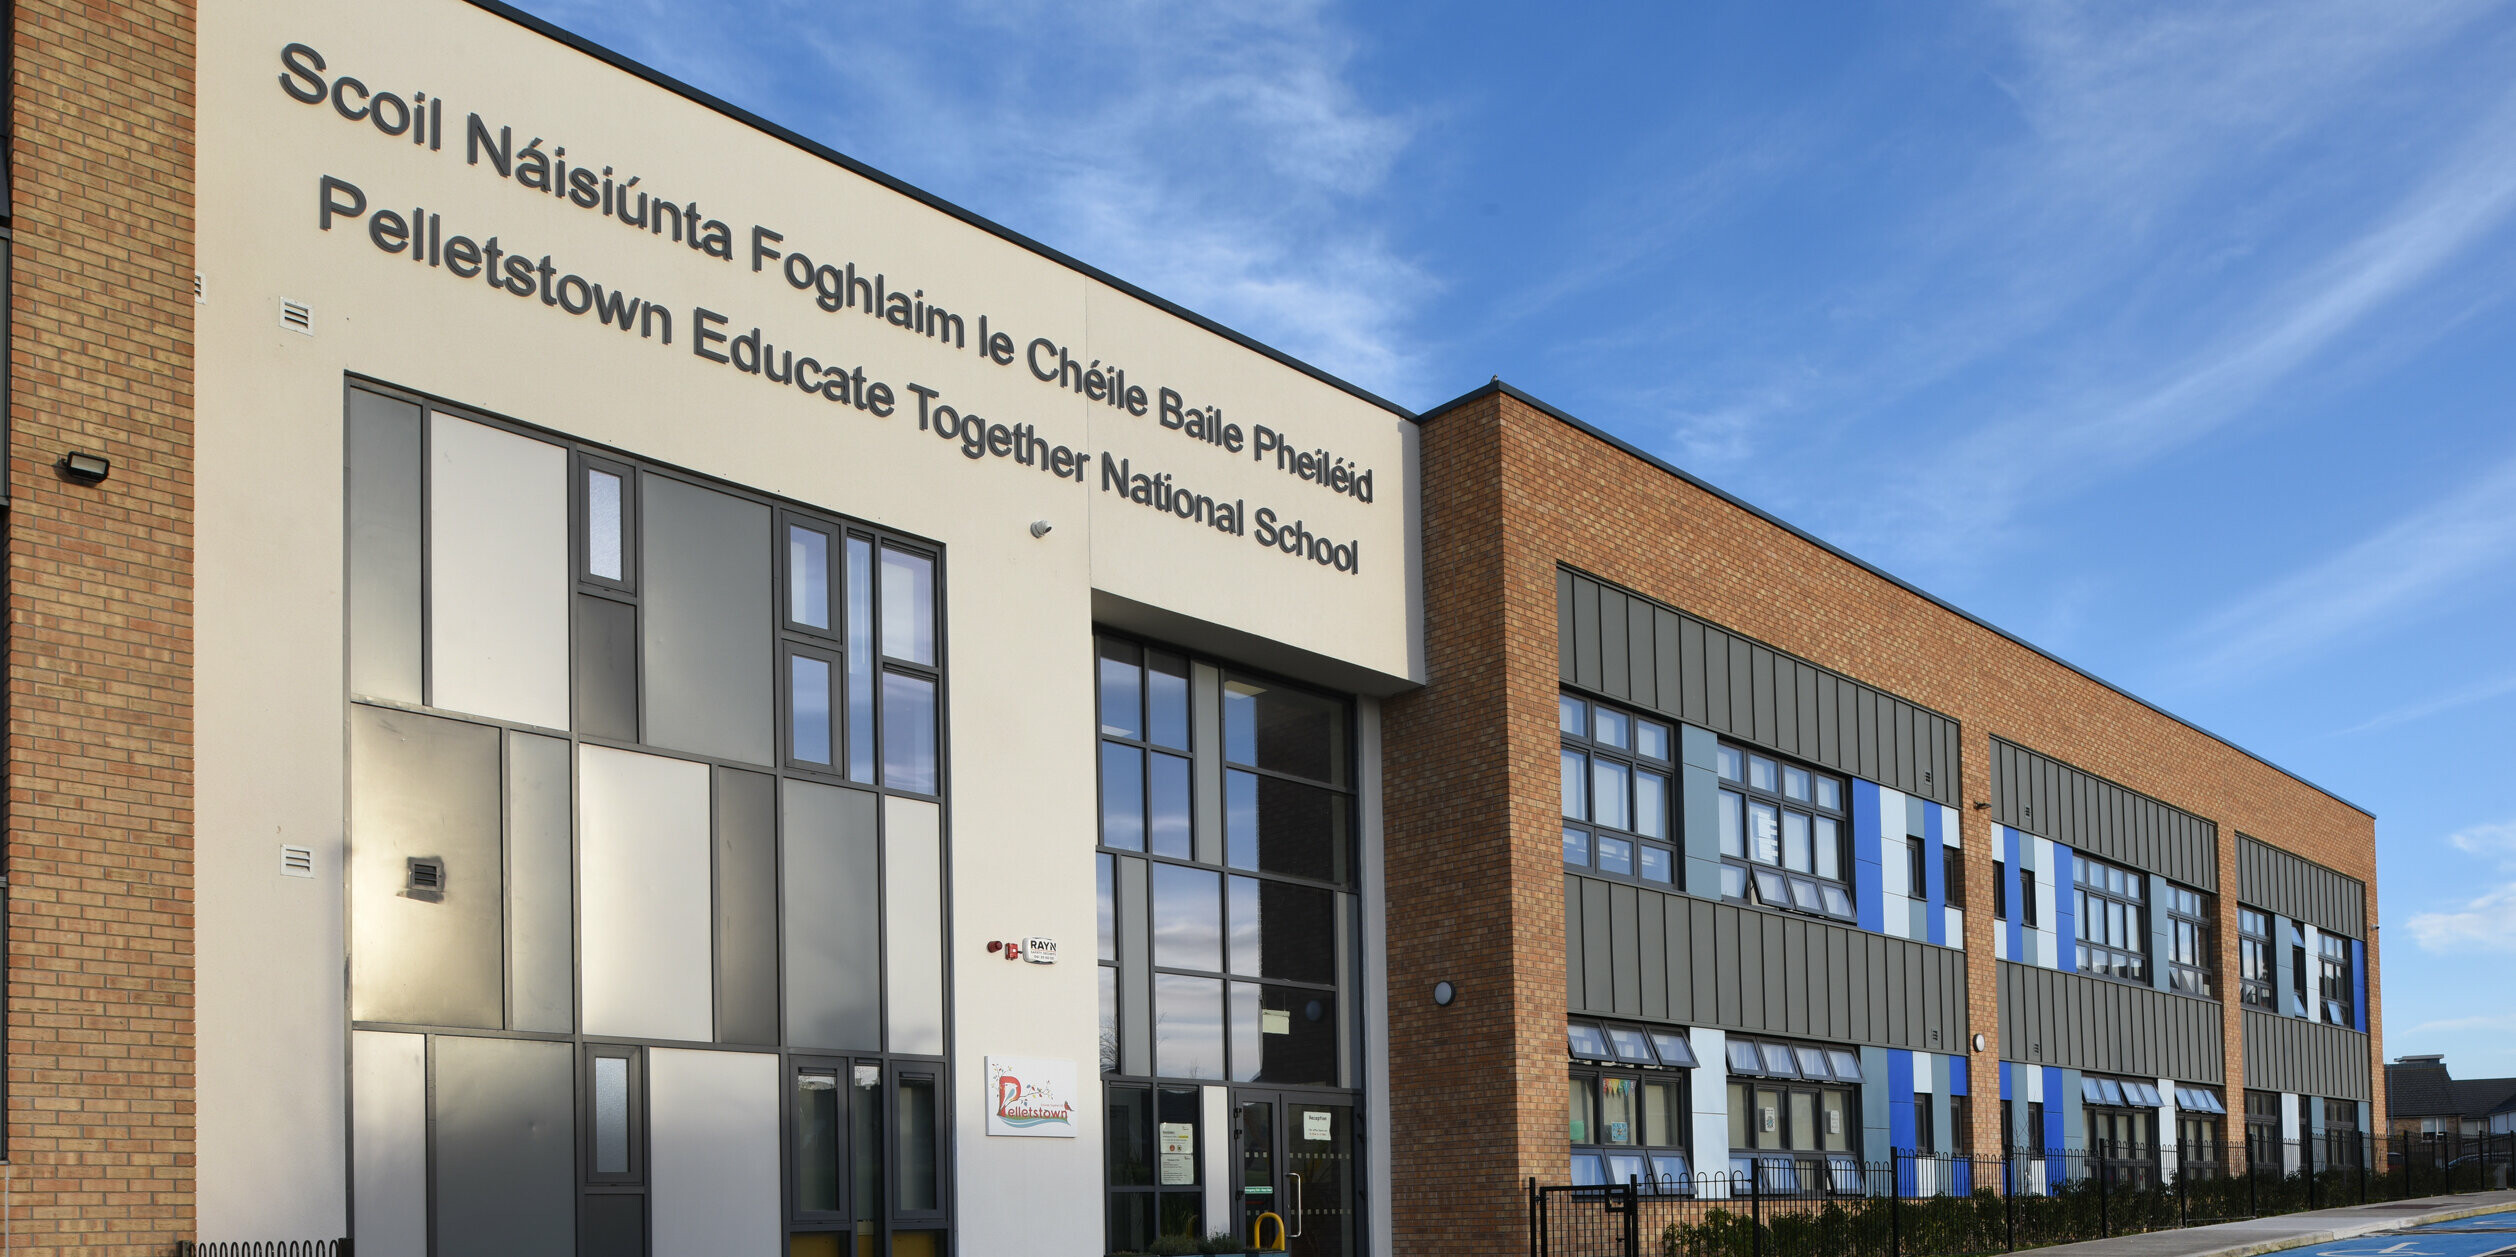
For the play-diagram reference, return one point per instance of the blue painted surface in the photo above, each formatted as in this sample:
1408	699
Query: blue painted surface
2418	1243
1900	1098
2056	1126
2005	1092
2065	929
1868	882
1935	874
1957	1077
2358	986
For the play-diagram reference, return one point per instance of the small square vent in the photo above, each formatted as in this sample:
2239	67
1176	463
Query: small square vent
428	880
297	316
200	289
296	861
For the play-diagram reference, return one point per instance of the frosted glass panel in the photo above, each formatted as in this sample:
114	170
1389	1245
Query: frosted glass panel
541	925
913	896
712	1130
832	918
908	606
603	525
706	620
389	1142
498	573
643	895
383	547
808	576
611	1115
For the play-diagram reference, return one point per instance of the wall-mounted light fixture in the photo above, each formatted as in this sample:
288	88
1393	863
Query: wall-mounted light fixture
85	468
1444	993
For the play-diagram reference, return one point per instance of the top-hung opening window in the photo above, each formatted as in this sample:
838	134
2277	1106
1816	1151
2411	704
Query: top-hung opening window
2253	952
1783	831
1617	791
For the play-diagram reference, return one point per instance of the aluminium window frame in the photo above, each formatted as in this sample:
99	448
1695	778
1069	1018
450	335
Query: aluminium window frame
2135	903
1744	867
1670	844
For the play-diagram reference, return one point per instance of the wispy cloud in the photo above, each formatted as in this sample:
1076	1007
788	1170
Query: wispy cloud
2436	706
1219	154
2411	564
2486	921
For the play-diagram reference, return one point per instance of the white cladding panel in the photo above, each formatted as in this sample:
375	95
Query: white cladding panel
389	1142
712	1127
498	573
646	952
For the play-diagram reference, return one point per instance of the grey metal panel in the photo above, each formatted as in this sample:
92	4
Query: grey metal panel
1786	709
1743	705
1795	978
384	538
1625	948
604	662
1564	647
1598	949
705	621
425	788
746	907
1614	675
831	875
1135	970
1572	945
2291	886
2292	1054
1641	654
1865	728
1652	950
541	886
1691	683
1666	664
1586	634
2049	1017
1777	971
1703	938
504	1115
2042	795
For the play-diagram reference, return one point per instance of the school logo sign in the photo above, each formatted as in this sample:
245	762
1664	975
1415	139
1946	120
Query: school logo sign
1032	1097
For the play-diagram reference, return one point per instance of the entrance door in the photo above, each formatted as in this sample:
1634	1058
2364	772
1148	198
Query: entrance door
1296	1160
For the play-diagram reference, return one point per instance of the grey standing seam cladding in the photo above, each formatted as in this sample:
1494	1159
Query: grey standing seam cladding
505	1154
1721	965
2307	1058
2290	886
1633	650
746	907
2048	1017
2038	794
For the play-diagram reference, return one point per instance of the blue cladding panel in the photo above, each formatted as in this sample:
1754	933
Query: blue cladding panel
2065	927
1935	874
1900	1099
2358	987
1869	884
1957	1085
2005	1093
2016	924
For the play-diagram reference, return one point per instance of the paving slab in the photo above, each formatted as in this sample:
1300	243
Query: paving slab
2298	1230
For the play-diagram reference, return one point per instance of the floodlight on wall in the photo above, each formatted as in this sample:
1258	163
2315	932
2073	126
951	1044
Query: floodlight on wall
85	468
1444	993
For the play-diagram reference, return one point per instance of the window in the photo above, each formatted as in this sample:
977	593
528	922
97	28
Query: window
2253	954
1917	873
2197	1144
2000	890
1953	868
2035	1125
1782	835
2297	970
2191	958
1617	791
1156	1165
1925	1135
1794	1116
1629	1107
1961	1125
2333	984
2342	1148
2111	930
2027	898
2122	1117
2262	1130
835	1151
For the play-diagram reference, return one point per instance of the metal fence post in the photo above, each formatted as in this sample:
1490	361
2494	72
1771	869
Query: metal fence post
1633	1217
2314	1197
1536	1203
1895	1202
2009	1197
2105	1216
1756	1206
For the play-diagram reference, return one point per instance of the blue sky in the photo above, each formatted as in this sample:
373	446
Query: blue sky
2157	334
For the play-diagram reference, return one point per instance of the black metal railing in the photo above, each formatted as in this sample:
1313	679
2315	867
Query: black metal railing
1802	1204
262	1248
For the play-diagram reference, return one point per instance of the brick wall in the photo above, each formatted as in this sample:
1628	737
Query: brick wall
1511	491
99	825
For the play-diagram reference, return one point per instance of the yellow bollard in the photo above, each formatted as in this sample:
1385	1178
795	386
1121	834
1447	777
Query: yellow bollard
1258	1231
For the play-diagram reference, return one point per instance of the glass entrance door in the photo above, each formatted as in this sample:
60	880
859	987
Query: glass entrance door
1297	1161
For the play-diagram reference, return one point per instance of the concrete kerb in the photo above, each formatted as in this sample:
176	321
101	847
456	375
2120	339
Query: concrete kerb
2276	1234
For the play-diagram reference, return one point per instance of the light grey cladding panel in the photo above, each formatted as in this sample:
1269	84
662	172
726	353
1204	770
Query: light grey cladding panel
541	886
2042	795
1649	955
833	918
2049	1017
505	1147
746	907
1636	651
425	944
2305	1057
2272	879
384	531
705	620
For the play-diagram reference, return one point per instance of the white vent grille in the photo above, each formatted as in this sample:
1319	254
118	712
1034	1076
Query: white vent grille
297	316
200	289
296	861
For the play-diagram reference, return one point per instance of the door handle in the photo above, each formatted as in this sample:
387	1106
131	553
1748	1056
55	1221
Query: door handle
1297	1204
